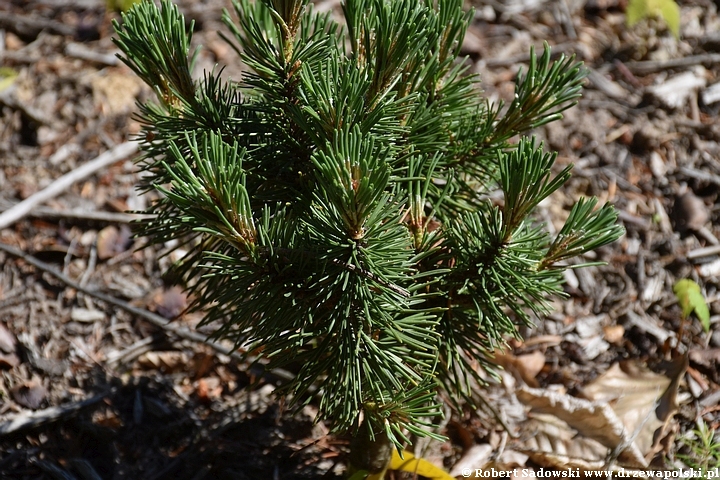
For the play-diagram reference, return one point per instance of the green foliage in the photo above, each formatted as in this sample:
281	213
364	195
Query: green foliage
668	10
7	77
120	5
691	300
335	199
703	450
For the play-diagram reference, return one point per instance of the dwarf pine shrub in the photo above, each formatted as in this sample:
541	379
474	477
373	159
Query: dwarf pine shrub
335	203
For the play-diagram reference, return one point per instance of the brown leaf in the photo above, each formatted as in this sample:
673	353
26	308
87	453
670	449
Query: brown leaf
167	362
523	367
633	391
690	212
111	241
30	394
532	363
595	421
614	334
170	303
208	389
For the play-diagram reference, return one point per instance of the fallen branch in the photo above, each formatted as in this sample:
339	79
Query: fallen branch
20	210
703	252
700	175
78	50
30	419
77	214
652	66
150	317
30	26
153	318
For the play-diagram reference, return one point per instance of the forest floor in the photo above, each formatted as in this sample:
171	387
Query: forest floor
105	387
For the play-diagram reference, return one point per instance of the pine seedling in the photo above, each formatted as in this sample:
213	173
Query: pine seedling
334	200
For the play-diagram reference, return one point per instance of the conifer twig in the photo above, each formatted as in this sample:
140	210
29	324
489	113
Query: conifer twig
370	276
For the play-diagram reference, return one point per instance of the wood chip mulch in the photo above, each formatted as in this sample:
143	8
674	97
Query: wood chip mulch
104	376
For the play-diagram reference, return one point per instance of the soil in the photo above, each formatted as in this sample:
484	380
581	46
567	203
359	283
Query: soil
94	390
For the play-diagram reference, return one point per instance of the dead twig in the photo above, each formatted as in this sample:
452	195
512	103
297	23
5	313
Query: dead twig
77	214
30	419
22	209
703	252
130	353
150	317
652	66
627	74
700	175
607	86
82	52
626	217
26	26
566	18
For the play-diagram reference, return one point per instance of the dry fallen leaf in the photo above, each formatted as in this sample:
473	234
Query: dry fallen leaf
690	212
30	394
111	241
170	303
209	389
622	410
634	393
594	421
167	361
522	367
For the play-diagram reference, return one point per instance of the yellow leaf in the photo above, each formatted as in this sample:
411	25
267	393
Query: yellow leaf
667	10
121	5
670	12
419	466
636	11
7	77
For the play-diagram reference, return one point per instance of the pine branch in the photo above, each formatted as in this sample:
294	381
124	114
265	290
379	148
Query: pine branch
156	46
541	94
